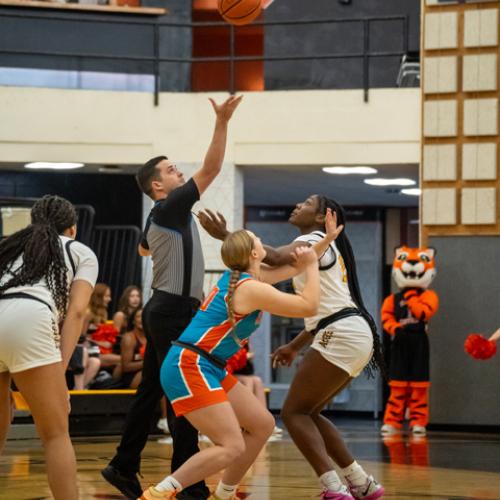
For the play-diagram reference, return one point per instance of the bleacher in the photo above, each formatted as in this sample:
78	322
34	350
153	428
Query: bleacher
93	413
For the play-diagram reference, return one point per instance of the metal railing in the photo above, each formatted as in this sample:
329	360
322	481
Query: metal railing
156	59
86	214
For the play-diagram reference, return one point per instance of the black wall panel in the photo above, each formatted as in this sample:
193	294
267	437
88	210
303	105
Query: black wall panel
336	39
116	198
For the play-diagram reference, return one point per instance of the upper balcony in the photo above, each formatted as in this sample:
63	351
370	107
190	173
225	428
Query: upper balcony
325	44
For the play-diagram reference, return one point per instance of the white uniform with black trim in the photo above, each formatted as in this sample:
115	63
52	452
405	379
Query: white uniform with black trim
27	326
346	343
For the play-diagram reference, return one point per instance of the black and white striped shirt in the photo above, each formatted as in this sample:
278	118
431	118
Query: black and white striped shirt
172	237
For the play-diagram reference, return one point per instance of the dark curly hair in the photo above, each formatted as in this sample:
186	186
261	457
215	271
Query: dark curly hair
344	246
41	249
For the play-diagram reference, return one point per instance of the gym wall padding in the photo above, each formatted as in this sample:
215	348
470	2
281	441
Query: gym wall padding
465	391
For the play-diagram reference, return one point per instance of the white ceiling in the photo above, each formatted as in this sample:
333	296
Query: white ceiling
268	186
287	186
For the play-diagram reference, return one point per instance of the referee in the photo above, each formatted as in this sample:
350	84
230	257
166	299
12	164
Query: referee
171	238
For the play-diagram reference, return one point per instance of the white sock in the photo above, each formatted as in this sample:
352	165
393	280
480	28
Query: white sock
355	474
331	481
168	484
225	491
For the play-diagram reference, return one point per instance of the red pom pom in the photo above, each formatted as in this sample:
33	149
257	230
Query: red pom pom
105	333
479	347
237	361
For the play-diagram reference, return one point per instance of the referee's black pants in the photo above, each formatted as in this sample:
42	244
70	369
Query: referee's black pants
164	318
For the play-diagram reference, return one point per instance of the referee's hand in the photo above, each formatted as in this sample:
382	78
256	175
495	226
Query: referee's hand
225	110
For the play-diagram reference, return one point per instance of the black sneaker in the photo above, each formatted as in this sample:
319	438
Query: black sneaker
128	485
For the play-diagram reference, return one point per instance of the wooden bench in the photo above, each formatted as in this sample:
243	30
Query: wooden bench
92	412
20	402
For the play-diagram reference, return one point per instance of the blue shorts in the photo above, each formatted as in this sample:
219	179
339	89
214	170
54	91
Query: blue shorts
192	382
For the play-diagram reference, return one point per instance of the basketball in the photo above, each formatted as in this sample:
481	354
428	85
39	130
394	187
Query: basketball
240	12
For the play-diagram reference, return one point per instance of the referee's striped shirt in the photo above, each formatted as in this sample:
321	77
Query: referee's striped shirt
172	237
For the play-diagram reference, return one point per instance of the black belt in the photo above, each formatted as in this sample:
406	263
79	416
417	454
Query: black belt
218	362
173	299
23	295
343	313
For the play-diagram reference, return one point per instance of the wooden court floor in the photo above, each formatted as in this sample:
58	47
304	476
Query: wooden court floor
450	466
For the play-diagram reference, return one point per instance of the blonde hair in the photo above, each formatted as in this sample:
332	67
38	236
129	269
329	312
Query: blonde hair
97	308
235	252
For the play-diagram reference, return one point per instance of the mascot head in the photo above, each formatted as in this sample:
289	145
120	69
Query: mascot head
414	267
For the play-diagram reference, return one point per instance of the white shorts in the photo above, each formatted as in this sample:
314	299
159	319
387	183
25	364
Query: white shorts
346	343
26	335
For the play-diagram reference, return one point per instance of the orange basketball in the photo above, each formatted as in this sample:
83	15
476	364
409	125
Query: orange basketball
239	12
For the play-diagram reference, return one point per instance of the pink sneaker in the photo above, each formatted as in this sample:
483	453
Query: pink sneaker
342	494
371	490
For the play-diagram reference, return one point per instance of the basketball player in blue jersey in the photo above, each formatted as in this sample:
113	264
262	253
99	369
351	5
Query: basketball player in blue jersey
194	376
343	340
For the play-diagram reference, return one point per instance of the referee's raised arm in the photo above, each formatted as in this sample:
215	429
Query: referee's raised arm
172	239
215	155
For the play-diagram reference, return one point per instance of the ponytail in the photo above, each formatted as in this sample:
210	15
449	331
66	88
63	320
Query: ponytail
41	250
343	244
233	281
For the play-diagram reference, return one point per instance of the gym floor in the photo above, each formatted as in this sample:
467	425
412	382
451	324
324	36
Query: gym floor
442	466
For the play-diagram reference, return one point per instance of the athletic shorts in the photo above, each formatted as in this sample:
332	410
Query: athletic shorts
26	336
346	343
192	382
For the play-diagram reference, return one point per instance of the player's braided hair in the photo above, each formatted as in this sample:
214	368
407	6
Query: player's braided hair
344	245
235	253
233	280
41	249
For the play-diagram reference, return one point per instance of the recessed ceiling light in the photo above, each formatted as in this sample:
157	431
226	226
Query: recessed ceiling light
44	165
350	170
111	169
389	182
412	191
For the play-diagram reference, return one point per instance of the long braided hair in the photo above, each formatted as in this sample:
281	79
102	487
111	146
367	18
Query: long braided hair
344	246
41	249
235	253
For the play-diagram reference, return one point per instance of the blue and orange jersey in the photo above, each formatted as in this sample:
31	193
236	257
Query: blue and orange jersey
210	329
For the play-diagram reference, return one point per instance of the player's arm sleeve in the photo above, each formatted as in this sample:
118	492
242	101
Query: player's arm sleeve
87	266
307	238
176	208
328	259
144	238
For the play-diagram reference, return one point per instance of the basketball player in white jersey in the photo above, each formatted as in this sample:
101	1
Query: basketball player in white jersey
45	277
344	341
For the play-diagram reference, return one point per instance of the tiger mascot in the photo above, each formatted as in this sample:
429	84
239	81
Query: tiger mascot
404	317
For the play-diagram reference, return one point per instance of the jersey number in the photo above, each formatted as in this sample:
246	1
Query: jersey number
343	269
